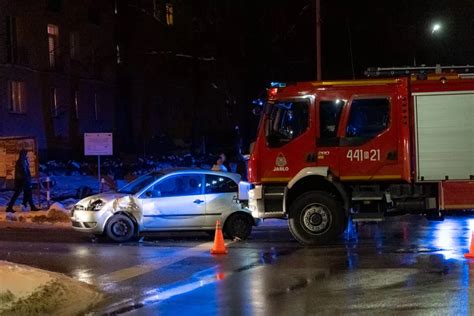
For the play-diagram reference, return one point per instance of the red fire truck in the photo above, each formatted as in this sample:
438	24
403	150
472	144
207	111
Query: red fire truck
330	150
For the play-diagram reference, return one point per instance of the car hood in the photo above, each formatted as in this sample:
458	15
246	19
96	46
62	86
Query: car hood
106	197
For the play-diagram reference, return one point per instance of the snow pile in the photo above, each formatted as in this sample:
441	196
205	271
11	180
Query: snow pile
29	291
56	214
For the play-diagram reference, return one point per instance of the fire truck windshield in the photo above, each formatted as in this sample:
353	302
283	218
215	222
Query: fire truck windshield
286	121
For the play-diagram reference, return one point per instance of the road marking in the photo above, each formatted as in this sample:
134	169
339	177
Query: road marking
198	280
152	265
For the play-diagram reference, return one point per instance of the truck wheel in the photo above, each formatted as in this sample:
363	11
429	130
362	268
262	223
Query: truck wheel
316	218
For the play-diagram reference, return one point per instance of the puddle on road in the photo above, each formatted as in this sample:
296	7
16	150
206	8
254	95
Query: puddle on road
163	293
416	250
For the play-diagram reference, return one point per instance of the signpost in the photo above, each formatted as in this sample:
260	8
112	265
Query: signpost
98	144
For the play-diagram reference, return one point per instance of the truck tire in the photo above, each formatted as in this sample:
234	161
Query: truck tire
315	218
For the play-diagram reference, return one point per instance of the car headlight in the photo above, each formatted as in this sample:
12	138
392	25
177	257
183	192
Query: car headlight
96	205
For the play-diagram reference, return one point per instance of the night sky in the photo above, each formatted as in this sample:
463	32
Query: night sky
275	40
382	33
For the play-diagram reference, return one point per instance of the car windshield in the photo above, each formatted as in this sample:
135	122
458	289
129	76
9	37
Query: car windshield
140	183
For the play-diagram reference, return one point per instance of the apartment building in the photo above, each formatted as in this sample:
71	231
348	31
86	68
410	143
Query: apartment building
58	63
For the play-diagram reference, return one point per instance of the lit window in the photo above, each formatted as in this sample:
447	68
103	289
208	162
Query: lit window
53	43
17	97
169	14
74	45
96	107
76	104
54	102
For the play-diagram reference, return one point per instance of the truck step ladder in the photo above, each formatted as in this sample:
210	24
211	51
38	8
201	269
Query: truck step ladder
368	217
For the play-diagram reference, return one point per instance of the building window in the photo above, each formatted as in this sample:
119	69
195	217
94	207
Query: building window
96	107
76	104
17	97
169	14
156	9
74	45
11	39
54	101
117	52
53	44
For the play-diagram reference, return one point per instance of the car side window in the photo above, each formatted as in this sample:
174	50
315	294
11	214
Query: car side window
180	185
151	193
220	184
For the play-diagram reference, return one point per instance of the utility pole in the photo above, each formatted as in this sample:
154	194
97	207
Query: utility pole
318	40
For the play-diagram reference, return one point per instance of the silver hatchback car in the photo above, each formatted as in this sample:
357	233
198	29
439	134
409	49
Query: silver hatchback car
169	200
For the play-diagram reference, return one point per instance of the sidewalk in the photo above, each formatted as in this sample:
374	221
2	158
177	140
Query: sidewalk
28	291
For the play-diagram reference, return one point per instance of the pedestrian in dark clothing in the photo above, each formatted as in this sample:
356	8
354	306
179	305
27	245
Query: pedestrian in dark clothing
22	183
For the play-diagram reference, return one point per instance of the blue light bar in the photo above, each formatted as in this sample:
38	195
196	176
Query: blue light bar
275	84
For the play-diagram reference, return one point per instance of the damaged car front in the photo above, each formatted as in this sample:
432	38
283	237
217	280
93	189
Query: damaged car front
94	214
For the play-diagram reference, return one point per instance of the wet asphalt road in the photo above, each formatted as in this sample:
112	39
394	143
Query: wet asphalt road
405	265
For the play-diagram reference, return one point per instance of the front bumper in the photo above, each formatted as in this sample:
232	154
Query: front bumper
256	204
88	222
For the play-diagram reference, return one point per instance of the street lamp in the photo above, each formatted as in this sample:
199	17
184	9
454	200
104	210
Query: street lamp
436	38
435	28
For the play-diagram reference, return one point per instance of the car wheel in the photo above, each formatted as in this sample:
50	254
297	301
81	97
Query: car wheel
316	218
238	226
120	228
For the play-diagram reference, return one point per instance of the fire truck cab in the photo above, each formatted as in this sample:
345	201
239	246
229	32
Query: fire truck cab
369	148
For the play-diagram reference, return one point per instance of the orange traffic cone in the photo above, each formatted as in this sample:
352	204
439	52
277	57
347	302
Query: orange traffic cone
470	254
219	247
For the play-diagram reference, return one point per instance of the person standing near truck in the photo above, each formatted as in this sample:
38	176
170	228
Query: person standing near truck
22	183
219	165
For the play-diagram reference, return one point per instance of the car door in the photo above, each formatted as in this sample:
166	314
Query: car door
175	202
221	197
